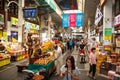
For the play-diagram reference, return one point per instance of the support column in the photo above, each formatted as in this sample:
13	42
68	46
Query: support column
20	21
89	29
49	28
107	19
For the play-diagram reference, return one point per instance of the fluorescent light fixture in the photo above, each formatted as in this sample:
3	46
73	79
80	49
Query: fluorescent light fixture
72	11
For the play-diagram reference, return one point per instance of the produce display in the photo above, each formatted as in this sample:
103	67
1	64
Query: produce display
3	56
47	46
4	59
16	52
45	59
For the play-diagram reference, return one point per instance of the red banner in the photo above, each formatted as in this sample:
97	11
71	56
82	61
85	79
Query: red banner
72	21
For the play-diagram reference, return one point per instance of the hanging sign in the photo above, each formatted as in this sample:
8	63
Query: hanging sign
14	21
65	20
29	12
108	34
72	21
79	19
1	19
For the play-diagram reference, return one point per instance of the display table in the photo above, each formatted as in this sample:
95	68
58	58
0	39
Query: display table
50	67
17	55
4	61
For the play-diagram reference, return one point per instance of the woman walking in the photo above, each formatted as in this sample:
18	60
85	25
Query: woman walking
69	71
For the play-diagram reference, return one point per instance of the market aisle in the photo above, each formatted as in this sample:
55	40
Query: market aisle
82	67
9	72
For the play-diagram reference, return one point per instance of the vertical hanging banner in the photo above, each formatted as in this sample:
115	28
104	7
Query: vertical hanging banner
65	20
79	19
72	21
108	34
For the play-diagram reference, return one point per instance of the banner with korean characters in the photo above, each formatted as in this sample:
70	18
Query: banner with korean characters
108	34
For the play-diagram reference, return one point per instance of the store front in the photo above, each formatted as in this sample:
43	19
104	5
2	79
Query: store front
117	33
111	64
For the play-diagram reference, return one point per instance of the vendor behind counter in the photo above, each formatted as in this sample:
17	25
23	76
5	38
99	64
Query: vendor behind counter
37	52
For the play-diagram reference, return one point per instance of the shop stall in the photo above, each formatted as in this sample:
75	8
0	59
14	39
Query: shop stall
44	65
16	51
4	59
111	66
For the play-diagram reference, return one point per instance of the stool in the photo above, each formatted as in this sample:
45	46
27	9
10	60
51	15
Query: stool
38	77
111	75
116	77
20	67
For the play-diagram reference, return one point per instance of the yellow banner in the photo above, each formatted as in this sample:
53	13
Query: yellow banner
14	21
5	35
0	34
33	31
108	37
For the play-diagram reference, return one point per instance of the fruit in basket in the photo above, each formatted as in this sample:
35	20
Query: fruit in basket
47	46
43	61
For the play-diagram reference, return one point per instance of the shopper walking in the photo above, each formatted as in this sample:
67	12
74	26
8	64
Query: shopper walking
59	59
69	71
92	62
71	45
